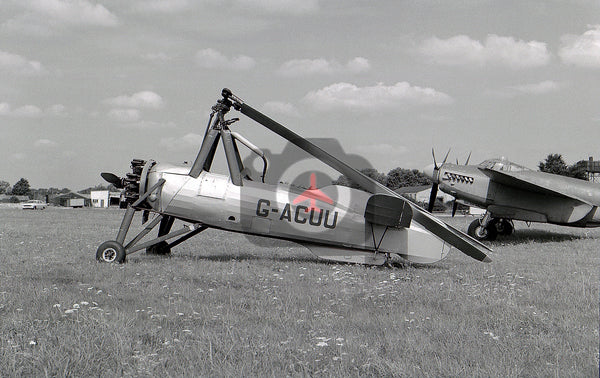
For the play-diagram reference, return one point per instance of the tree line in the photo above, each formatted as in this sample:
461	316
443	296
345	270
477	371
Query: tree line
394	179
400	177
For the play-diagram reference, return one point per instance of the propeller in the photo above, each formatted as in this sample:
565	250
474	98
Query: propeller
454	203
435	178
454	237
113	179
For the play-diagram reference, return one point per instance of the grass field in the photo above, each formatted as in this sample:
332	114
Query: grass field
224	306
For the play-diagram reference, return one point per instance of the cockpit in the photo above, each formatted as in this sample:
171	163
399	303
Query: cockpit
502	164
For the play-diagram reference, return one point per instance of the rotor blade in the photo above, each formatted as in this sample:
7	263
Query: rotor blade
468	158
454	237
362	180
434	162
432	196
454	207
113	179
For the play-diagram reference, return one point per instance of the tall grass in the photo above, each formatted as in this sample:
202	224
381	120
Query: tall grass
223	306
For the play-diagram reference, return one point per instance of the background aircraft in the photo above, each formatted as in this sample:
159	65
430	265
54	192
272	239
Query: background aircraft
361	226
509	191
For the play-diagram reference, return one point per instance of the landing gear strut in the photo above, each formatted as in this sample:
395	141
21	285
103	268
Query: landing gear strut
116	250
488	228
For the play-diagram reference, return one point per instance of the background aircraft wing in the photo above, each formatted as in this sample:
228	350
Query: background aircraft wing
454	237
535	182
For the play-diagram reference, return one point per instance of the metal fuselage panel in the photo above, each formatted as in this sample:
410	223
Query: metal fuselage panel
263	209
472	185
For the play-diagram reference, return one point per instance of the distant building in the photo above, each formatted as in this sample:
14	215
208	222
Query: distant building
593	169
104	198
420	194
71	199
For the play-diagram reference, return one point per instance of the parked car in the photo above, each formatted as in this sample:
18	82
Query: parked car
34	205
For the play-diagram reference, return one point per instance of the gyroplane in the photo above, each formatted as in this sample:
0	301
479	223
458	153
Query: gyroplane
509	191
334	222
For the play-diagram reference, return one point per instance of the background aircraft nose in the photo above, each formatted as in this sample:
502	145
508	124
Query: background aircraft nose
429	171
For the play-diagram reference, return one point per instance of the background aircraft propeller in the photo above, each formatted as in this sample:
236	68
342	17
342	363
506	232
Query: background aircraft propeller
454	203
434	186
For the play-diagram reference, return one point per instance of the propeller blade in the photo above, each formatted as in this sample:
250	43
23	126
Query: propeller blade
468	158
434	162
113	179
454	207
454	237
432	196
446	157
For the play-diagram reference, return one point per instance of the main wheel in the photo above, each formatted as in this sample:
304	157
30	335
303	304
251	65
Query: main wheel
111	251
477	231
504	227
161	248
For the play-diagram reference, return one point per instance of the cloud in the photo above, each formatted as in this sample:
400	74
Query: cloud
582	50
495	50
306	67
538	88
18	156
187	141
535	89
349	96
144	99
56	110
125	115
43	143
73	12
279	6
161	6
26	111
16	64
278	107
213	59
146	125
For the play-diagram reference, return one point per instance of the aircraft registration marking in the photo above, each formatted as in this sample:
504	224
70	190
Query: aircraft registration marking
298	214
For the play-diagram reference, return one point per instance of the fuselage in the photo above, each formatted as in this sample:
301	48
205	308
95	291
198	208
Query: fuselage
533	196
283	211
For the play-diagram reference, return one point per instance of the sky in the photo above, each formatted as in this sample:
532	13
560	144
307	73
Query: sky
88	85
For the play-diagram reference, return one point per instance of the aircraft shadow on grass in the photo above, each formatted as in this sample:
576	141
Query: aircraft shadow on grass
309	259
535	235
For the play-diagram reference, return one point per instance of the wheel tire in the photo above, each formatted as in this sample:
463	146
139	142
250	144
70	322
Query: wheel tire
161	248
504	227
111	251
476	231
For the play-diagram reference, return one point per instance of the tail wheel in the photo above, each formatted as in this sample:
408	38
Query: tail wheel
477	231
111	251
